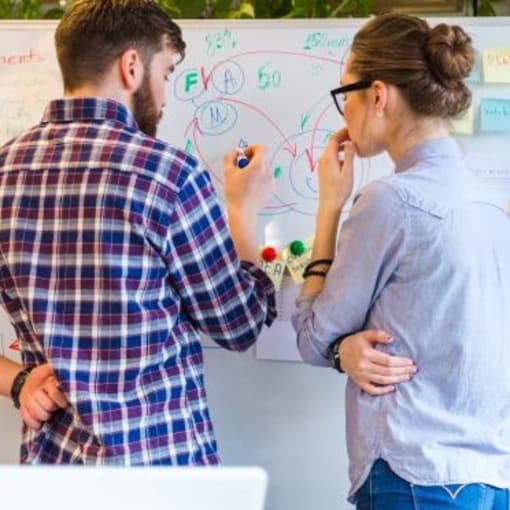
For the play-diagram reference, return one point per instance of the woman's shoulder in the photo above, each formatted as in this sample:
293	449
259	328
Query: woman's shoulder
422	188
380	192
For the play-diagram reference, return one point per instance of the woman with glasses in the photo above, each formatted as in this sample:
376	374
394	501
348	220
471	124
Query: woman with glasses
423	257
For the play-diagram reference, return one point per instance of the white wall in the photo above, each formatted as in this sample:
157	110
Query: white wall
10	432
9	421
286	417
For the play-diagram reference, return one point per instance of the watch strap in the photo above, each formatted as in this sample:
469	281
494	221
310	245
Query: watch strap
17	385
334	355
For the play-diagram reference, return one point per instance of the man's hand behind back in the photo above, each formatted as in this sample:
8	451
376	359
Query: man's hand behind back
40	397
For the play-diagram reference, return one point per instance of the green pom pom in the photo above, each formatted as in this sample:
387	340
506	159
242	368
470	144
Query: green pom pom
297	248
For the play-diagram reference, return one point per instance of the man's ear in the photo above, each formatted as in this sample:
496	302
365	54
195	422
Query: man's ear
131	69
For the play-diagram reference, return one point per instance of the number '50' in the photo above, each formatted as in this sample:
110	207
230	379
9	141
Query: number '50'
268	78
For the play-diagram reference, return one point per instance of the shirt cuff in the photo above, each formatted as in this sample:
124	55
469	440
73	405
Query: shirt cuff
264	283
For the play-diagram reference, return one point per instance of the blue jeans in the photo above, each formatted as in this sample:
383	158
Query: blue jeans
384	490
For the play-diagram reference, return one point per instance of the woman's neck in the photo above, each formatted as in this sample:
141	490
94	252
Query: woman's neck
407	136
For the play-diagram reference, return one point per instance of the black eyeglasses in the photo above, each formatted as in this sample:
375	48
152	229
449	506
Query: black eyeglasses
357	85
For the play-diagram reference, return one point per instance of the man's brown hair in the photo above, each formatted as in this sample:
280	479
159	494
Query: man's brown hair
93	33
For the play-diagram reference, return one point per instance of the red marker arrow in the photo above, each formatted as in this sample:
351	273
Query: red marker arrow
291	149
193	124
15	346
309	157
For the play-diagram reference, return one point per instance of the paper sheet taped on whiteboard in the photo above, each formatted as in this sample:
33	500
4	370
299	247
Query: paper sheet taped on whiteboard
279	342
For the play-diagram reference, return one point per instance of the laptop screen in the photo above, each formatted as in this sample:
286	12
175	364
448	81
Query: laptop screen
136	488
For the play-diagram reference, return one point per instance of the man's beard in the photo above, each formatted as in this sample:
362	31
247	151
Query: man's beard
144	107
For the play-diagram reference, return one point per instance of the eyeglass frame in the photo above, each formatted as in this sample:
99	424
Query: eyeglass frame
351	87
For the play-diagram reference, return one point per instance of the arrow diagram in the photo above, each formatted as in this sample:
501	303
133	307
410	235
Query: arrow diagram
289	146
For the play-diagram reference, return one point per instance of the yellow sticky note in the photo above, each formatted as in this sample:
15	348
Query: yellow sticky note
275	269
297	263
496	65
465	124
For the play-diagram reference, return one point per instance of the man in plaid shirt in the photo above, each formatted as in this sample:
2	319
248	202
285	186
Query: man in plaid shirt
115	255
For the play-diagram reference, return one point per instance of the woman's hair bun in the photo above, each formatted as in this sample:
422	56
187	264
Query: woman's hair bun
450	54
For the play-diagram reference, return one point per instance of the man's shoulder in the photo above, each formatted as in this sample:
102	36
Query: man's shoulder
20	144
21	138
120	147
157	159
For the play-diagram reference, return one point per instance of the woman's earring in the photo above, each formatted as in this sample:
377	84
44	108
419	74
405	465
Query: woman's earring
379	113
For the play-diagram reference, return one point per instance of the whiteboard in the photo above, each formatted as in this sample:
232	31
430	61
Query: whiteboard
269	82
262	82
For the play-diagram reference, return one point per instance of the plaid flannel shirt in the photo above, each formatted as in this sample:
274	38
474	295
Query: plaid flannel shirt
114	256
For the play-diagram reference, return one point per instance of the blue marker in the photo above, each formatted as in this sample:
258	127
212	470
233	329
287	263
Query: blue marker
242	159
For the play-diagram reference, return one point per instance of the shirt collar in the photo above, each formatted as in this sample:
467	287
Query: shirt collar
429	149
85	109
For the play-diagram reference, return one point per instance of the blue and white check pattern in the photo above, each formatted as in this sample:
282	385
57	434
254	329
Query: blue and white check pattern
114	255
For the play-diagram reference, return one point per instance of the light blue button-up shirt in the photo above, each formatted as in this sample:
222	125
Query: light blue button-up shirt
424	257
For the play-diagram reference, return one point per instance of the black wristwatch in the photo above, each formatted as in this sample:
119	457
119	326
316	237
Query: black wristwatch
17	385
334	355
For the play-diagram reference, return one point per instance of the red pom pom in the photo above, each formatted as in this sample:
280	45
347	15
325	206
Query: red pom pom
269	254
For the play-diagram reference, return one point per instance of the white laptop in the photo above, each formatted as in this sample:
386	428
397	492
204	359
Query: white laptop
137	488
